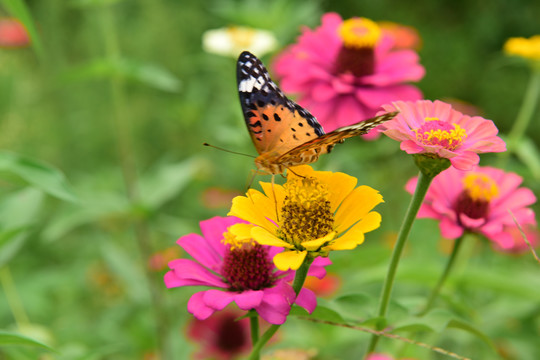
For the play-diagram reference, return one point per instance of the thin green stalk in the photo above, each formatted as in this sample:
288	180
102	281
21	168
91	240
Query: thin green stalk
129	172
449	265
254	324
299	279
421	189
530	100
12	297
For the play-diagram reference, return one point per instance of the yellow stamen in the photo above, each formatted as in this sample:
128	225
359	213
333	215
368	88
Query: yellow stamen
480	187
436	132
306	213
359	33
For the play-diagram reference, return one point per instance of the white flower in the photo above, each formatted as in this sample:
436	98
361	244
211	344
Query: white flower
231	41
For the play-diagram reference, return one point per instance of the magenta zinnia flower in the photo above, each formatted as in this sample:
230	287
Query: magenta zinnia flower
241	271
344	71
223	336
426	127
478	201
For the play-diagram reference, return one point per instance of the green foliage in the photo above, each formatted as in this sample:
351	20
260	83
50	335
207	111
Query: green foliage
102	167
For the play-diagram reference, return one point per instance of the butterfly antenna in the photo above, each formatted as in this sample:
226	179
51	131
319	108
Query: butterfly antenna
229	151
254	174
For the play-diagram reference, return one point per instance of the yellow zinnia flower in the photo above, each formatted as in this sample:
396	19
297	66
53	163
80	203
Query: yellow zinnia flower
313	213
528	48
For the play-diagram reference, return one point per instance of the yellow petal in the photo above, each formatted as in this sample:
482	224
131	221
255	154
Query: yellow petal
253	209
356	234
359	202
241	231
275	193
339	184
289	260
316	244
264	237
346	242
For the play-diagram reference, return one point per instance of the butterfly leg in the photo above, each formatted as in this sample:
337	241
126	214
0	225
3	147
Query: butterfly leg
291	170
275	199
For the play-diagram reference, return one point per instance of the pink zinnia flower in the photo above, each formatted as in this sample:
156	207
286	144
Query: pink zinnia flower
344	71
381	357
519	245
13	34
242	272
478	201
222	337
426	127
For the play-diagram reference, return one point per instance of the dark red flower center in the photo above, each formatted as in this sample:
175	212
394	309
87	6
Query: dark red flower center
248	268
474	200
357	56
231	335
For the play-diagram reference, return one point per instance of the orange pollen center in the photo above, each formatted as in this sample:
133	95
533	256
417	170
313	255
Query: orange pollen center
436	132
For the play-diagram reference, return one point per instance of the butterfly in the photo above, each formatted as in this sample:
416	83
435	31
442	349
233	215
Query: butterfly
284	133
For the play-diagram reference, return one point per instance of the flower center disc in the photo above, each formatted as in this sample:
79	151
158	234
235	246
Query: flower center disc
356	56
306	213
436	132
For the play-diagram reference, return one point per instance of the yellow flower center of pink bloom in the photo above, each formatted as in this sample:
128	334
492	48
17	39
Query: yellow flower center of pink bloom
526	48
359	33
478	191
436	132
306	213
480	187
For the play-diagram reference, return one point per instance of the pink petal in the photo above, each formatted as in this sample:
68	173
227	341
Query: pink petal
197	307
317	269
410	147
213	229
190	273
307	299
249	299
217	299
467	161
449	229
200	249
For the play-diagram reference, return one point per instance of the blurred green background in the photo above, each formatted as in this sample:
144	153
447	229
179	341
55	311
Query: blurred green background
123	90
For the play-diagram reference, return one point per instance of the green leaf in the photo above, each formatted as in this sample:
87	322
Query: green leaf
463	325
10	338
18	211
10	243
322	312
129	69
89	209
18	9
37	173
529	155
89	3
434	321
166	181
357	306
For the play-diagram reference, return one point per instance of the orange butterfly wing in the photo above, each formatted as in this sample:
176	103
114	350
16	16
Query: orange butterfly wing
284	133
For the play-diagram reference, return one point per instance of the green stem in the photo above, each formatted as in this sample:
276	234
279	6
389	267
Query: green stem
128	166
530	99
421	189
449	265
13	298
299	279
254	322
